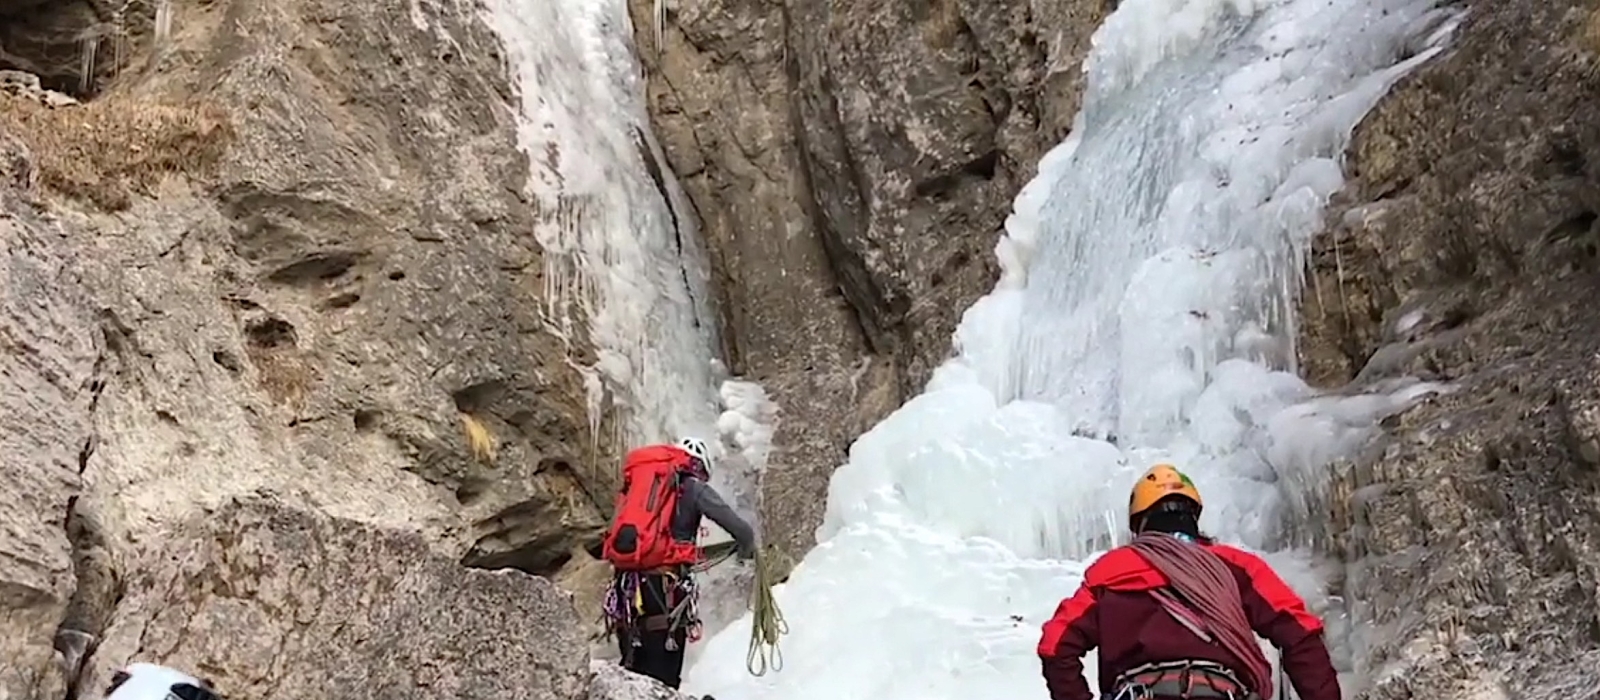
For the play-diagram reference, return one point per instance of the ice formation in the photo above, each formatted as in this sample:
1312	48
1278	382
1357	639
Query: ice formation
1145	312
620	247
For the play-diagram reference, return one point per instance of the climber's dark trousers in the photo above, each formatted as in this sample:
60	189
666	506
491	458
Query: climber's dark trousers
651	658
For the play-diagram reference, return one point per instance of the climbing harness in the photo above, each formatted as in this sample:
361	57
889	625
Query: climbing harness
1185	680
623	611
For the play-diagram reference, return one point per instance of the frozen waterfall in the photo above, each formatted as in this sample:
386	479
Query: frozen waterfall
1147	311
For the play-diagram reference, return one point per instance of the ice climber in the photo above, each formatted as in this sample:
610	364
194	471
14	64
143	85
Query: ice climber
1175	614
652	545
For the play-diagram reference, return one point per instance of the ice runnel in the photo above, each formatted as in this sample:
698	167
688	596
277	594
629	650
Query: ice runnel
616	252
1145	312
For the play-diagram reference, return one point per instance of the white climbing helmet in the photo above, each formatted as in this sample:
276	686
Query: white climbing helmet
698	449
144	681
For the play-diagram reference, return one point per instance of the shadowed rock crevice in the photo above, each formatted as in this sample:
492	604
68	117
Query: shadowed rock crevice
74	46
541	535
317	267
93	602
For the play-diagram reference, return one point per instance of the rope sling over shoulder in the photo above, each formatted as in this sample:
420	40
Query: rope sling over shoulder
1204	596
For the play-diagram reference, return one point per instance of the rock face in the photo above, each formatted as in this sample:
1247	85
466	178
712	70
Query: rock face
275	603
47	358
852	164
1466	251
283	253
609	682
277	359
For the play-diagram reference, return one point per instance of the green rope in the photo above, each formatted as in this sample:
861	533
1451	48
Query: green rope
767	623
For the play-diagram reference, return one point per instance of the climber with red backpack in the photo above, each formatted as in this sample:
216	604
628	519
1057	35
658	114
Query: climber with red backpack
1175	614
653	544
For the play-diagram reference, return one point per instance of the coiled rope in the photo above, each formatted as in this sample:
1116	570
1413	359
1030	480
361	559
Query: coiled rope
766	619
767	622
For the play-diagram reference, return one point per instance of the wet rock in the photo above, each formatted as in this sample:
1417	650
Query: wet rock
852	164
1465	250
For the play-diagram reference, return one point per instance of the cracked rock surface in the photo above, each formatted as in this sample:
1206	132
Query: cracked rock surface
1465	251
275	603
609	682
47	359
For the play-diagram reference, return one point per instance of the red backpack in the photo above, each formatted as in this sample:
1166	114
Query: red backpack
641	532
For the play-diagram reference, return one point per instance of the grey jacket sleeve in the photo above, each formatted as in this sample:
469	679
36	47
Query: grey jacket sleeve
711	505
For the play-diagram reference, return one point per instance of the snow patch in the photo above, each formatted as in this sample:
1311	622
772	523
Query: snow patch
1409	320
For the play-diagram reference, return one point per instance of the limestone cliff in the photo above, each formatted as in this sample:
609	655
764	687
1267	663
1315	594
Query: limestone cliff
280	251
852	164
45	393
1465	250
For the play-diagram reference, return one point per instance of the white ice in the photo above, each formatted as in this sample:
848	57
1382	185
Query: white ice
1145	312
615	254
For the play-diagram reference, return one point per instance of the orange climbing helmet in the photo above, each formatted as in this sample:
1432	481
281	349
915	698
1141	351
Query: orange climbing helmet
1161	481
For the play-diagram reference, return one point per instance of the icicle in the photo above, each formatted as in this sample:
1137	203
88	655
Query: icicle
163	23
88	46
661	25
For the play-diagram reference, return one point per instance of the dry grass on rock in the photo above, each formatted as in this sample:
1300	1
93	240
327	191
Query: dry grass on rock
479	439
107	150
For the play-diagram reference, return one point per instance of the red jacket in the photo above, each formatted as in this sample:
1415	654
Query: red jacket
1113	611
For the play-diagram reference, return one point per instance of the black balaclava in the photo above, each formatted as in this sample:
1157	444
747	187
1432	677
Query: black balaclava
1174	515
